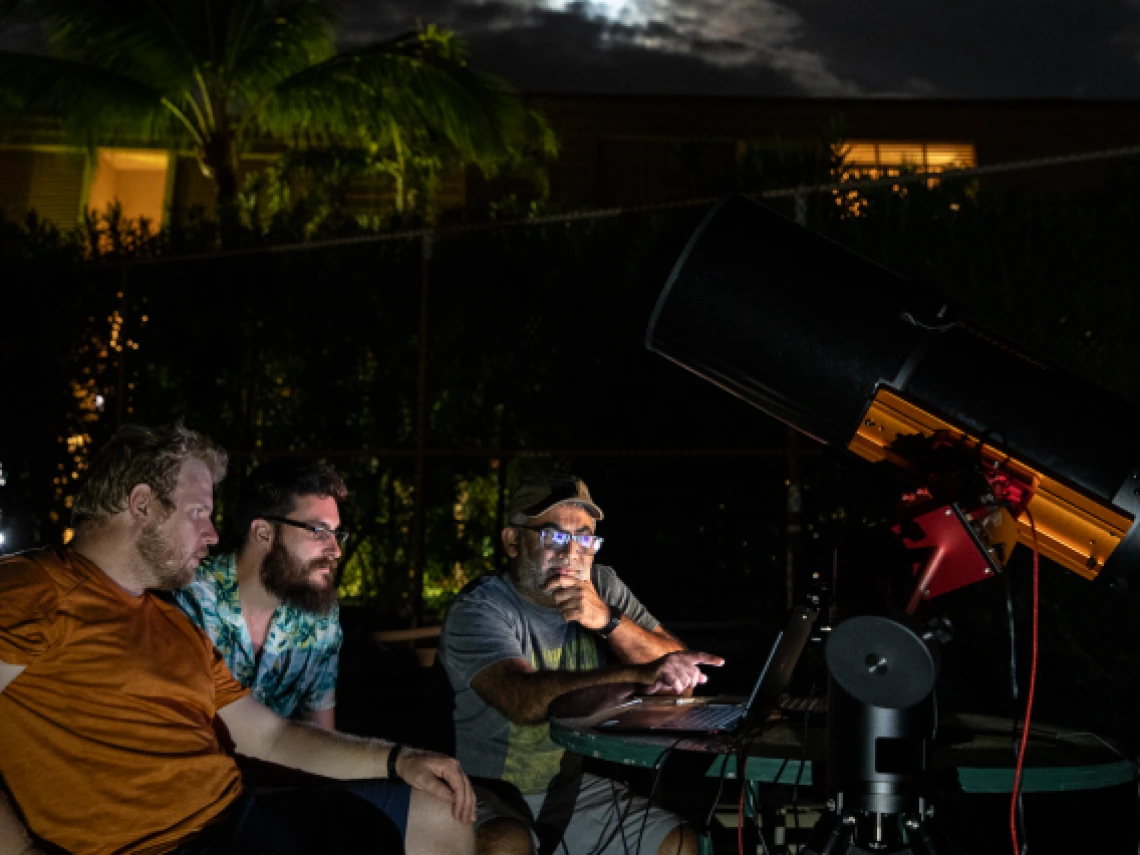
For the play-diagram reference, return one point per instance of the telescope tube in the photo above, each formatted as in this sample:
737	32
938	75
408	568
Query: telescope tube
827	341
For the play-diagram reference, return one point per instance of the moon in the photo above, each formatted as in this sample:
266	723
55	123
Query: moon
617	11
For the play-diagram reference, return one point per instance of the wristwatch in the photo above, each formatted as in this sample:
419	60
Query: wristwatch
393	753
616	615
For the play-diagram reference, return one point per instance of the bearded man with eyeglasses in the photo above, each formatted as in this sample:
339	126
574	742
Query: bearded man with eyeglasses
511	644
270	606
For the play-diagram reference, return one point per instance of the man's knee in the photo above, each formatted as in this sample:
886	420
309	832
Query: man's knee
682	840
433	830
503	836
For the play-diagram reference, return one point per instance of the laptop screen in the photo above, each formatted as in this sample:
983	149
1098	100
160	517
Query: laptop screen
763	671
782	658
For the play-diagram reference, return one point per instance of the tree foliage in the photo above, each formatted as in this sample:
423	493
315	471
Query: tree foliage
216	77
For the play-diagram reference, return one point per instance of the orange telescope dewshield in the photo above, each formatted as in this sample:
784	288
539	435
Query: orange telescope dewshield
1076	531
857	356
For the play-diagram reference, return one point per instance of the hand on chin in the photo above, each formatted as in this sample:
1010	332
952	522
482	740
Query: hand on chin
564	571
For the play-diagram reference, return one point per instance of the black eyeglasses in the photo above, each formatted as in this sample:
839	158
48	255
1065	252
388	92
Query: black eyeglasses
320	533
556	538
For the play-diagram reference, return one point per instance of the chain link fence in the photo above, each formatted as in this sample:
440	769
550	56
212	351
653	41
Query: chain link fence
435	380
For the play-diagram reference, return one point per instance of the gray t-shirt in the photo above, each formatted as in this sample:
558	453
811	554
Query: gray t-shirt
489	622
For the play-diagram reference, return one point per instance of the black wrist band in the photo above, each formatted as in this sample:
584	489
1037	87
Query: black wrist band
615	621
393	753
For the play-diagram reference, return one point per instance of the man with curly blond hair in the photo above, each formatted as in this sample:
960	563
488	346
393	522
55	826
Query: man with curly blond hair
117	714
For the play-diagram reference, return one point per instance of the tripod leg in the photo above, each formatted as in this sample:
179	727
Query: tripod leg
930	839
831	836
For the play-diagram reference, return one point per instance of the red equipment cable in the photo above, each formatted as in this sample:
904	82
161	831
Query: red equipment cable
1028	699
740	821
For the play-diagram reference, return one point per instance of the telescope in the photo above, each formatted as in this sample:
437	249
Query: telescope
992	445
860	358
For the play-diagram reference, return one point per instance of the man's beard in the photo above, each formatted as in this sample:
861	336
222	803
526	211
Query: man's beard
532	573
288	579
161	558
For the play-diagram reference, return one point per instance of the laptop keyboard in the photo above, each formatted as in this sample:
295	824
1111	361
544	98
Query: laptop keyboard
705	718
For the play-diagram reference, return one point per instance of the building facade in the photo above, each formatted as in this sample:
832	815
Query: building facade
625	150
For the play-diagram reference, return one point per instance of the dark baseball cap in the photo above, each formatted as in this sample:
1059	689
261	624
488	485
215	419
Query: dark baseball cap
536	496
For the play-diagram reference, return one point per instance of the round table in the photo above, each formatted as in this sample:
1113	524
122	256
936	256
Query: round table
977	748
774	757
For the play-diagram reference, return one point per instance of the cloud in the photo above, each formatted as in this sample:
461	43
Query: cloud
738	34
813	48
737	46
818	48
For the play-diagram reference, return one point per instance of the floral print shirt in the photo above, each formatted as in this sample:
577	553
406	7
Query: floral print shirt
295	675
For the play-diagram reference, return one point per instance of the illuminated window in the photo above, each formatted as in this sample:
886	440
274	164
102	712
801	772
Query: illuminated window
134	177
865	159
886	158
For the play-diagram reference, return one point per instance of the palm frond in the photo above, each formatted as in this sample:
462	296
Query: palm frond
93	104
419	82
218	74
227	48
541	135
140	39
267	45
334	96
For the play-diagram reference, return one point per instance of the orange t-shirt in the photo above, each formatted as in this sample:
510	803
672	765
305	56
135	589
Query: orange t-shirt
107	740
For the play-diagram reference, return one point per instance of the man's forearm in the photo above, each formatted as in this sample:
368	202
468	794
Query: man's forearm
314	749
534	691
635	645
323	718
14	837
258	732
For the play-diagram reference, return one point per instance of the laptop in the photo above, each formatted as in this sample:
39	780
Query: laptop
713	716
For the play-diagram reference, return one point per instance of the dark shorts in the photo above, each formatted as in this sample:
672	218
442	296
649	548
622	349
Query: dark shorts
340	816
599	817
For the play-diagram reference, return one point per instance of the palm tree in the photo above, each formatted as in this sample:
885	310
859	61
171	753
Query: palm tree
212	76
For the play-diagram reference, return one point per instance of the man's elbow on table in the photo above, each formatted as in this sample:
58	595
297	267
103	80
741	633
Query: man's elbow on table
527	716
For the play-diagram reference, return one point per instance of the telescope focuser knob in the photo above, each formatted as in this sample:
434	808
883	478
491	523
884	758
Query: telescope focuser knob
939	629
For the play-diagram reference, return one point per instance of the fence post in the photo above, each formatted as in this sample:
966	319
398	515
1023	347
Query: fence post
418	511
794	488
795	504
801	200
121	382
501	511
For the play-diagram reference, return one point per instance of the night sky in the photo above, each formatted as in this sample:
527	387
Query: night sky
821	48
815	48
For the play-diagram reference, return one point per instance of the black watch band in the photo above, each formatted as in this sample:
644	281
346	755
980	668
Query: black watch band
393	753
615	620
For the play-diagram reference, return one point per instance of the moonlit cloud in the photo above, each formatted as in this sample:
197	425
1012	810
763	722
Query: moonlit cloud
813	48
684	46
730	34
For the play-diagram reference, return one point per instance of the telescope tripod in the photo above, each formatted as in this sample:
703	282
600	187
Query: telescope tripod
848	832
881	721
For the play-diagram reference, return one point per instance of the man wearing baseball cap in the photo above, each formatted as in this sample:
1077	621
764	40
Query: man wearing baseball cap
511	644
